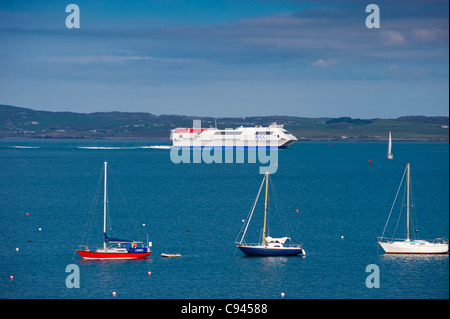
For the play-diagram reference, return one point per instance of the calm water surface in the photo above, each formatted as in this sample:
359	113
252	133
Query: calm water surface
197	210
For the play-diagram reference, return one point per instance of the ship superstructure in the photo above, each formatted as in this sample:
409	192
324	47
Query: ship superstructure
274	136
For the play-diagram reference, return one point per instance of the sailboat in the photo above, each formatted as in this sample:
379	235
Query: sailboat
268	246
389	153
408	246
114	248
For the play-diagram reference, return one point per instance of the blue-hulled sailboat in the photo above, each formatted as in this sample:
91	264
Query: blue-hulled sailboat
268	246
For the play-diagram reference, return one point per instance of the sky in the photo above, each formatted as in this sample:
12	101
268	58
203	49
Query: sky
227	57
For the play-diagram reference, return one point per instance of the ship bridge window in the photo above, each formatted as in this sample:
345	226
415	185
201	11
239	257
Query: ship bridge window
228	133
263	133
286	132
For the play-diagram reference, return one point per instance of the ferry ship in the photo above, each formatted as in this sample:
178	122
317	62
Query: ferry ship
274	136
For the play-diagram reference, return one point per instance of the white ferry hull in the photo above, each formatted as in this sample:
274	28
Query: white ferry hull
196	144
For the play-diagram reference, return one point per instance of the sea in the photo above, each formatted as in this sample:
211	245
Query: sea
333	197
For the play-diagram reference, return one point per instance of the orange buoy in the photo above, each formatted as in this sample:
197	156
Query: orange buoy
370	161
113	293
282	295
149	273
297	210
11	277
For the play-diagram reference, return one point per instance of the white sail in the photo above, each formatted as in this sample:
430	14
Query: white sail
389	154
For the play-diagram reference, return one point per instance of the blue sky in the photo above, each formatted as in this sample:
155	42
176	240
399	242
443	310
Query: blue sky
227	58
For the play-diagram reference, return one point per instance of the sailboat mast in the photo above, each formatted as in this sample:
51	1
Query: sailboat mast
407	203
265	210
104	208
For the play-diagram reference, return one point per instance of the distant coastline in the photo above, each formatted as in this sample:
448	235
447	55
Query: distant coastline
19	122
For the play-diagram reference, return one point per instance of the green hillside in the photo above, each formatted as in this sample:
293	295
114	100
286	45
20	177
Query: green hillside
24	122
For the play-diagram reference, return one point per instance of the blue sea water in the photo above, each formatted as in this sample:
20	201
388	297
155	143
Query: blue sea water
197	210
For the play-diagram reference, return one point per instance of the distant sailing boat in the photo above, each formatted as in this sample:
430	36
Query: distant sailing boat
269	246
408	246
114	248
389	153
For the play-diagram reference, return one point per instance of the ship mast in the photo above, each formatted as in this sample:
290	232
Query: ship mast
265	210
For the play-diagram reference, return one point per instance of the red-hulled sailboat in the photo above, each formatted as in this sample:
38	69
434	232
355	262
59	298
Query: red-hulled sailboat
114	248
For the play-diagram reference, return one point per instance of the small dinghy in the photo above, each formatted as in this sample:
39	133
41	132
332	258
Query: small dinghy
170	255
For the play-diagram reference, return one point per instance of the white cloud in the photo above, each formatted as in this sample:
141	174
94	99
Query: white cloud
325	63
430	35
416	73
393	38
109	59
104	58
91	58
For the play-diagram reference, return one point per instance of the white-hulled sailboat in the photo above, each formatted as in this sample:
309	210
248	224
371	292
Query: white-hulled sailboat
408	246
268	246
389	153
